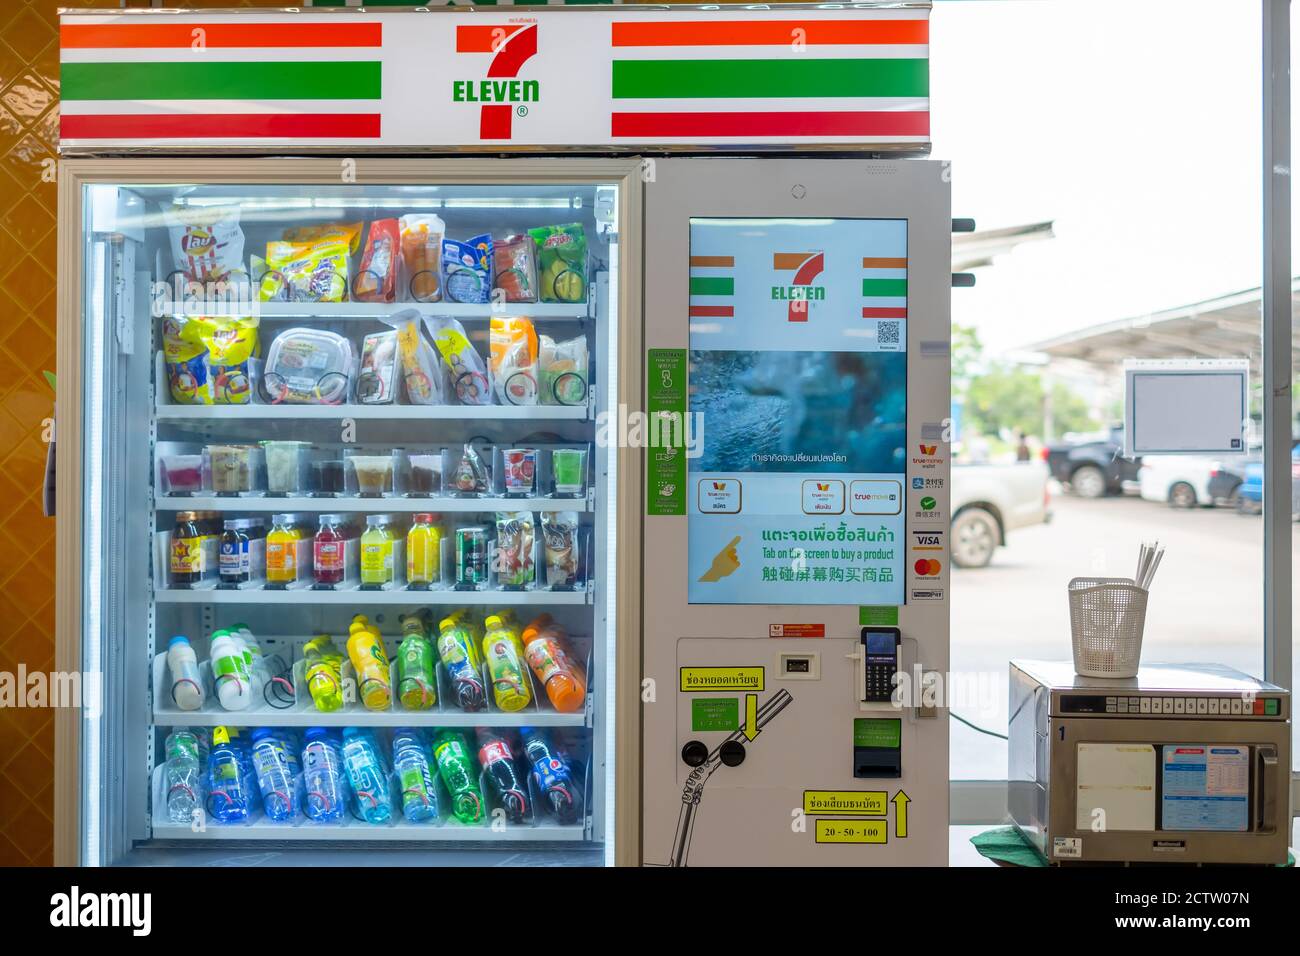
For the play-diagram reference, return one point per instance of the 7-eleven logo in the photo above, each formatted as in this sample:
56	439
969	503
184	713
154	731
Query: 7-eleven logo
806	267
502	94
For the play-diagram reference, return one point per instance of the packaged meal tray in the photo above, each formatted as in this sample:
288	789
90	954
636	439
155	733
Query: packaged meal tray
308	367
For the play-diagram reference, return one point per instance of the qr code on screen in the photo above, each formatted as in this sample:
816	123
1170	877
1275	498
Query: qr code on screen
888	333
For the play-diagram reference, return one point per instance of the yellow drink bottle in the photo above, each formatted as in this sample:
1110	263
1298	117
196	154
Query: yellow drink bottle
366	651
324	673
506	668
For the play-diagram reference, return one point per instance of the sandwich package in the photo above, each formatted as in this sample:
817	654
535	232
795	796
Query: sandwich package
377	380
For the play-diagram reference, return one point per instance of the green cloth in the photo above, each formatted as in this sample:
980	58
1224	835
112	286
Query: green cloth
1006	846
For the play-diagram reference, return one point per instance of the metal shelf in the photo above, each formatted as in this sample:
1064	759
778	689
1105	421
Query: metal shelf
328	311
355	831
355	596
468	413
354	504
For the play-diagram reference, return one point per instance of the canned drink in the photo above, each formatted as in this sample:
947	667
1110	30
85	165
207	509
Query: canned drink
520	470
471	558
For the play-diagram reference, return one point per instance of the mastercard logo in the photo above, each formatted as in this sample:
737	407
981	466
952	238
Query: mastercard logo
926	567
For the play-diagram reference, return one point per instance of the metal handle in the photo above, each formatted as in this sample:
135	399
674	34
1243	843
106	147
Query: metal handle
1266	772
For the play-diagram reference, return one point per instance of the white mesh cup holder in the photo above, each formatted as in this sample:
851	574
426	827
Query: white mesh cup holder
1107	616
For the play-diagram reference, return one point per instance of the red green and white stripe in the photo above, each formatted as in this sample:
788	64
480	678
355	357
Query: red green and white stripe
712	287
127	78
884	288
816	78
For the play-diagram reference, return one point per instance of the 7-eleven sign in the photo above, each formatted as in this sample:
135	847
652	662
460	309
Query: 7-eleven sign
806	267
502	95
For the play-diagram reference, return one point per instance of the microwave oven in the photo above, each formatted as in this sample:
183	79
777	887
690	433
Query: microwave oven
1185	763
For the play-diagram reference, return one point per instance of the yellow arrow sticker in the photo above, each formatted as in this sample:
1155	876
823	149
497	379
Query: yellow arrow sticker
696	679
851	831
751	716
901	800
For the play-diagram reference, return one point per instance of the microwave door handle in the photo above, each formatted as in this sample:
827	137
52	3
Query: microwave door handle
1266	780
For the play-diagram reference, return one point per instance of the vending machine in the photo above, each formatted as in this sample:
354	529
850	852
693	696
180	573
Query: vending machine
508	436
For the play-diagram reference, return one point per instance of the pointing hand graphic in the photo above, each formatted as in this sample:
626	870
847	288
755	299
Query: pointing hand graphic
724	562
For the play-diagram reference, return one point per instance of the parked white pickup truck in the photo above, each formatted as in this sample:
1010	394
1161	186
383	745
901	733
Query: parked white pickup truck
990	500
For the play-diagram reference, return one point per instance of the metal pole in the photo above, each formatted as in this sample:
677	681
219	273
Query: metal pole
1277	340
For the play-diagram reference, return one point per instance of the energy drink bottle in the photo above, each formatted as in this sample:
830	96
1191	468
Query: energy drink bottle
458	651
416	683
498	764
459	774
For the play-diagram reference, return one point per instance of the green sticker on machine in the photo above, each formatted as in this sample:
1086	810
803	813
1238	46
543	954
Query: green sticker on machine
666	454
715	713
878	616
885	732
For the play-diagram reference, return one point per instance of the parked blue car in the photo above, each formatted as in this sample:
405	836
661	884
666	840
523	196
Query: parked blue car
1250	496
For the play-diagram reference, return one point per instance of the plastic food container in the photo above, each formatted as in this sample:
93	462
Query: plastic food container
425	475
286	466
232	469
374	474
308	367
182	474
329	477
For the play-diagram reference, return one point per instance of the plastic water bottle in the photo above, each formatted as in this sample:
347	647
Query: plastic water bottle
259	670
460	775
187	683
367	775
323	779
552	774
247	775
275	776
183	774
227	796
230	674
499	767
411	764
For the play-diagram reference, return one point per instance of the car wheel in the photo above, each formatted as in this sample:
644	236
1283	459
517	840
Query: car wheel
974	538
1182	495
1234	498
1088	482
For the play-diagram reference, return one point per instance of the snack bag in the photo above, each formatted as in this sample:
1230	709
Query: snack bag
562	370
467	269
315	271
376	280
421	238
419	363
468	373
207	359
349	232
378	378
515	263
206	241
561	262
560	537
515	569
513	360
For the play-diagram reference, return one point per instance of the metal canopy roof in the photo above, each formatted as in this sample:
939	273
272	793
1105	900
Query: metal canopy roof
975	250
1225	327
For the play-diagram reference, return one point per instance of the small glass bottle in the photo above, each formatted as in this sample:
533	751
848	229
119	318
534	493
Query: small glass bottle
282	552
328	552
186	558
234	560
424	552
376	553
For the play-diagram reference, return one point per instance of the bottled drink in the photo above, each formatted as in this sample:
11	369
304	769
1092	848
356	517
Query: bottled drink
328	558
227	794
459	774
366	651
424	552
505	660
185	561
257	667
247	775
544	647
458	651
323	779
282	551
376	553
411	764
498	764
324	673
230	674
552	775
275	775
183	775
416	684
367	776
235	557
187	683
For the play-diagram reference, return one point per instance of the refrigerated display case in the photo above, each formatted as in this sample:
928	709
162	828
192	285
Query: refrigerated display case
269	449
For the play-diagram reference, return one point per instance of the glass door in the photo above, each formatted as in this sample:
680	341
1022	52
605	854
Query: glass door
348	530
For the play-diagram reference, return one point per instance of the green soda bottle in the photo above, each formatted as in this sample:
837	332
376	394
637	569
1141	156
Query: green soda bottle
324	672
457	768
416	684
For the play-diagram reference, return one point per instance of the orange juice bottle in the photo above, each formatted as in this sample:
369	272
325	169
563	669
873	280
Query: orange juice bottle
545	649
282	551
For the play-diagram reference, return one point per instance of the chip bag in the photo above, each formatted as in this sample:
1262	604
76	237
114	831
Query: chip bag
561	262
562	371
207	359
314	271
348	232
467	269
206	241
421	237
468	373
513	360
